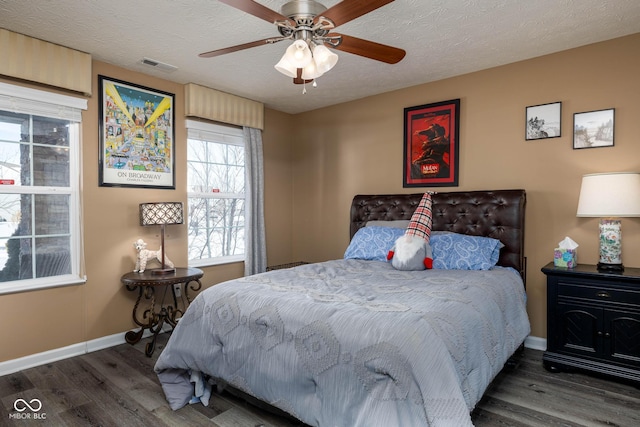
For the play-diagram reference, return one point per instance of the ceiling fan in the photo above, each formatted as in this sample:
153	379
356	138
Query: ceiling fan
308	23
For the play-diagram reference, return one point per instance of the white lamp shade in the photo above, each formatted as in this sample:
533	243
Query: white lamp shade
311	71
610	195
324	58
299	54
285	67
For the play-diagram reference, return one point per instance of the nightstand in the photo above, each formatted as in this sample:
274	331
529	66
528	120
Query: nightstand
593	320
167	306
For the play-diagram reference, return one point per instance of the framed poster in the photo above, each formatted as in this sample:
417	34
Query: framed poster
431	144
137	136
593	129
543	121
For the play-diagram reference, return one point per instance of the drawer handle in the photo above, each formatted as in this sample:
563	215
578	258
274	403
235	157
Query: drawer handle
603	294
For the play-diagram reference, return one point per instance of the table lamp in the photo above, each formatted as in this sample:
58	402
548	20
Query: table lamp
610	196
162	214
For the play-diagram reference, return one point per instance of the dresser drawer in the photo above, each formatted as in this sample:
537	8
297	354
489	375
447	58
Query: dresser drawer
601	293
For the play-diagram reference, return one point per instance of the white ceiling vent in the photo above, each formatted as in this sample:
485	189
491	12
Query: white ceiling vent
159	65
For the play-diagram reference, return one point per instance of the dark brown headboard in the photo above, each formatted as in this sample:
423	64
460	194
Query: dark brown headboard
498	214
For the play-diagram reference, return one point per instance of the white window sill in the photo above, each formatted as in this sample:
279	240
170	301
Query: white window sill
216	261
40	284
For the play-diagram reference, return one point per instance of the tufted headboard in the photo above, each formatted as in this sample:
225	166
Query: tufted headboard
498	214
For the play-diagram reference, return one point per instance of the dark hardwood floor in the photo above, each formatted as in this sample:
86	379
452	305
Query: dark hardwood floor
117	387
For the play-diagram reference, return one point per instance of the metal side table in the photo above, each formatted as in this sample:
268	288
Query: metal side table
162	302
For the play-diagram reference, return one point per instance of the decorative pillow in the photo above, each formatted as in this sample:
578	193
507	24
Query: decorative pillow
453	251
372	243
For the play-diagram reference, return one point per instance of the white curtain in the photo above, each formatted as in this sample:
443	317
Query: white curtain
256	248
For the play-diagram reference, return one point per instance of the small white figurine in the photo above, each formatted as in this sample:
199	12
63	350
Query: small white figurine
145	254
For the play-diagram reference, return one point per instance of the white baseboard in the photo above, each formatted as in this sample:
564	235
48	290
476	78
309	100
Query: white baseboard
535	343
33	360
26	362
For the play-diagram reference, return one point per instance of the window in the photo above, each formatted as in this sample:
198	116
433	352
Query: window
216	193
39	189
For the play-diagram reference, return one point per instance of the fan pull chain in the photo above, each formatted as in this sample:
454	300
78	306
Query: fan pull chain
304	86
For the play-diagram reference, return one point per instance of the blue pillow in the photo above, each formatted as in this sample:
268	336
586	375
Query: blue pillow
373	243
453	251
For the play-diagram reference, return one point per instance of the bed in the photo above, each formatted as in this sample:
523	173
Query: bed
354	342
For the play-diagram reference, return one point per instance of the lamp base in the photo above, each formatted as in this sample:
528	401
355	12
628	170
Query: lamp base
160	271
610	246
610	268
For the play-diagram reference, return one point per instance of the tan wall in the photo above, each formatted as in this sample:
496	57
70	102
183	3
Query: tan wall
278	186
34	322
316	162
357	148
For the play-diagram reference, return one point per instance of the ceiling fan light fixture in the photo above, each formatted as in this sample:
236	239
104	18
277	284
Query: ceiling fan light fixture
285	67
311	71
308	24
324	58
299	54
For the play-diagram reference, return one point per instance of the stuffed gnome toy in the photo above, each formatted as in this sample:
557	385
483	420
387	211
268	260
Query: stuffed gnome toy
412	251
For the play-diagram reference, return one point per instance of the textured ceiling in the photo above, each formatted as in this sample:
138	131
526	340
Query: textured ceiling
443	38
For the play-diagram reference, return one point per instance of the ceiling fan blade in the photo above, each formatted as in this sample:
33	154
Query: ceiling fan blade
257	10
369	49
235	48
348	10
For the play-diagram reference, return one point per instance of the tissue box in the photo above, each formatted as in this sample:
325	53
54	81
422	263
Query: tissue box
565	257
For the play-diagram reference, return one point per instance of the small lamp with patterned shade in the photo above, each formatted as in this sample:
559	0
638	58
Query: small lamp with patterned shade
162	214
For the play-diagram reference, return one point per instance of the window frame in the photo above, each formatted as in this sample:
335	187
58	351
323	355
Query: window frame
39	103
224	134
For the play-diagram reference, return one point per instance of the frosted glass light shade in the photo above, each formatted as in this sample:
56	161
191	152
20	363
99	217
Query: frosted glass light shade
313	65
299	54
311	71
324	58
285	67
610	195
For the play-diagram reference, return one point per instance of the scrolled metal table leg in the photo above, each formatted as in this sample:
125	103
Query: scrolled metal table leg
156	328
188	285
133	337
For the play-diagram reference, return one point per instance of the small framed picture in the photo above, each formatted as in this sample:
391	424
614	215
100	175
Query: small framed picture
593	129
543	121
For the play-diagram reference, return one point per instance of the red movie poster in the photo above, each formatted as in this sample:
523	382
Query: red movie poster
431	144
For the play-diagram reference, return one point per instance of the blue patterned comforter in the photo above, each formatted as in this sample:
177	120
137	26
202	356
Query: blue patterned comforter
351	342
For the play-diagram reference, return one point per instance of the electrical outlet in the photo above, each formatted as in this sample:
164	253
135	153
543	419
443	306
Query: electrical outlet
177	289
